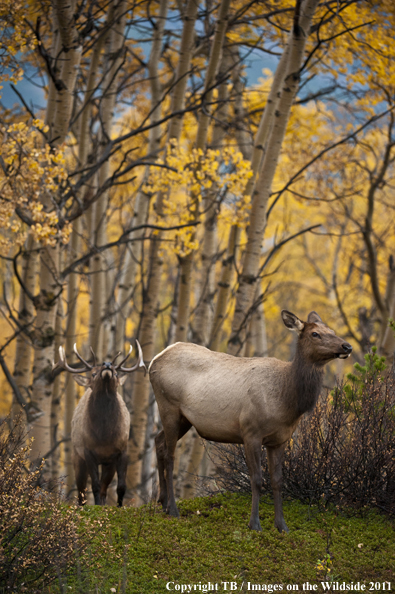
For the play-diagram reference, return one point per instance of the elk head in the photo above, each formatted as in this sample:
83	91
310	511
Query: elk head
107	372
318	343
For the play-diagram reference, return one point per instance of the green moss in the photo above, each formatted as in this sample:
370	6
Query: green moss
140	550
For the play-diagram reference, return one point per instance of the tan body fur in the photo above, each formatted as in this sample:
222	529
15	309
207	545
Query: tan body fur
252	401
210	398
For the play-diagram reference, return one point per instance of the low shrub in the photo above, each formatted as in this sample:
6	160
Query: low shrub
343	452
38	535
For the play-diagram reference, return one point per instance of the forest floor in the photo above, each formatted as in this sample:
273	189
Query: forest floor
210	548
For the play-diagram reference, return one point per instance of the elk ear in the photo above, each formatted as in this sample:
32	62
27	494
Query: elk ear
291	321
314	318
81	380
122	380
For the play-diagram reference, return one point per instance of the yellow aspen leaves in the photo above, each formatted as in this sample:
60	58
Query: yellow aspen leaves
190	178
30	171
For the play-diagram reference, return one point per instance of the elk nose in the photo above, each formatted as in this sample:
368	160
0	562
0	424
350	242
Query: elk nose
347	348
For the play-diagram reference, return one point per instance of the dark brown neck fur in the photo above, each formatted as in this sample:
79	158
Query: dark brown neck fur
104	411
307	382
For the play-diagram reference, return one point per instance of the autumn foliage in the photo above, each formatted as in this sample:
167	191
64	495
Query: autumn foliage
39	537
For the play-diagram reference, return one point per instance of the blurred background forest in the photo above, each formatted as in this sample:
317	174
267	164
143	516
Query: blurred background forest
182	171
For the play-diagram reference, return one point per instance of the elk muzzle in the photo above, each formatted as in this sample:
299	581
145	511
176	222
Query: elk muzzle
347	350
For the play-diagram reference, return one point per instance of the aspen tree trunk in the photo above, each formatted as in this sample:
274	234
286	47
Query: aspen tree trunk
23	352
56	394
227	273
70	339
203	314
255	156
387	341
257	341
184	297
228	262
113	58
141	388
134	250
261	196
58	120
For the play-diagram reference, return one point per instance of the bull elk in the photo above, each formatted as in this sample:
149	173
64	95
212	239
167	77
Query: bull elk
100	425
250	401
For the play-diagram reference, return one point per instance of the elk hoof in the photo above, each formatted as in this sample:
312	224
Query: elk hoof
163	502
281	526
254	524
173	511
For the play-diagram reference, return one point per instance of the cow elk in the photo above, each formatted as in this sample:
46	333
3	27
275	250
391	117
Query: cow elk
250	401
100	425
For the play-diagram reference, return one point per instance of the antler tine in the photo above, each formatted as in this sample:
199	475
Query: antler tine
115	358
94	357
123	360
64	365
87	365
140	362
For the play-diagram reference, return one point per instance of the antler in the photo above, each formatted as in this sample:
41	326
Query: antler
64	365
140	362
116	357
83	360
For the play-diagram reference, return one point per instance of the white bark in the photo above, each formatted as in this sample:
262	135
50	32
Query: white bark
261	196
184	297
113	46
140	215
24	351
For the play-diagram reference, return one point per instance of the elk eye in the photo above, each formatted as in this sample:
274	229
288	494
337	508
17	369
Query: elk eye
316	335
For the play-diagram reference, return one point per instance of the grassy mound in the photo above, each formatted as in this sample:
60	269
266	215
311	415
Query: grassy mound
142	550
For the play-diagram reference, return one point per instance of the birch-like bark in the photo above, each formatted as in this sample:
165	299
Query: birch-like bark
134	251
57	393
141	388
246	290
23	351
113	59
186	264
387	340
50	288
224	285
69	58
203	315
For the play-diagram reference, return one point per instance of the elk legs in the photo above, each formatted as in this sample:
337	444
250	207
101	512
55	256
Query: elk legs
174	428
275	461
107	474
93	469
253	452
160	446
121	465
81	477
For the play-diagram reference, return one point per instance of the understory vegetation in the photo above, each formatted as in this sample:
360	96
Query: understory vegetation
39	537
211	543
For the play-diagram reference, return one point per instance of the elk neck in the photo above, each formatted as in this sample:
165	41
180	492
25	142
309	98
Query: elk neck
306	382
104	410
